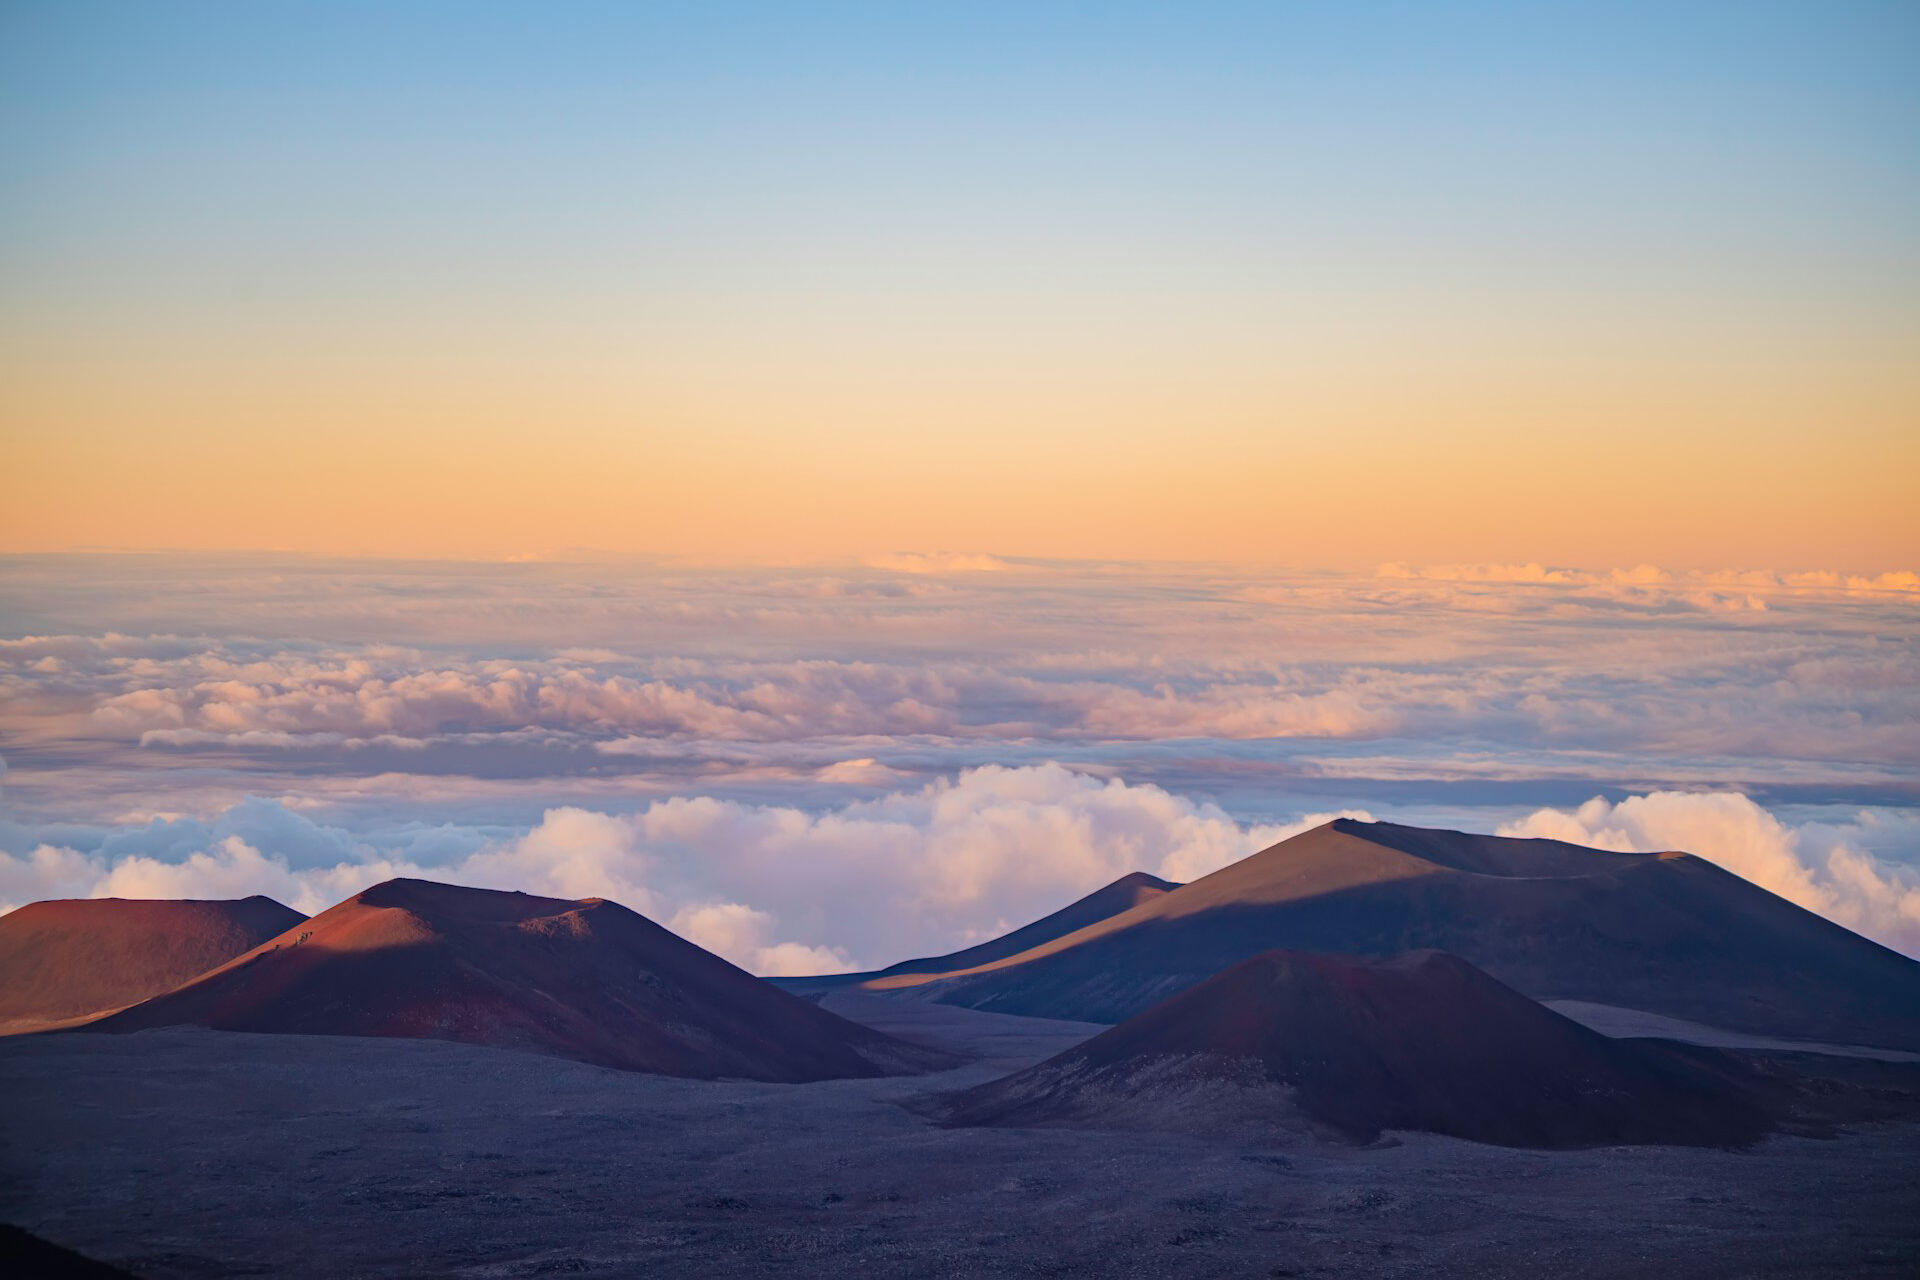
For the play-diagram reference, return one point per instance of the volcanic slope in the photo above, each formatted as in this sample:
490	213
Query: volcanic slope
1124	894
1668	933
586	980
72	958
1356	1047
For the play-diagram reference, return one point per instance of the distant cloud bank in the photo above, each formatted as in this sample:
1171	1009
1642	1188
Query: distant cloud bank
782	891
950	863
937	562
811	767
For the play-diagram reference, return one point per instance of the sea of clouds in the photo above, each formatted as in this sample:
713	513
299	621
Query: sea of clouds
809	769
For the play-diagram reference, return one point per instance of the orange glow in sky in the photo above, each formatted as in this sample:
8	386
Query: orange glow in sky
1251	284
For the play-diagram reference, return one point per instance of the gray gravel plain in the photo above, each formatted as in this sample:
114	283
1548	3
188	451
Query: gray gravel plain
193	1154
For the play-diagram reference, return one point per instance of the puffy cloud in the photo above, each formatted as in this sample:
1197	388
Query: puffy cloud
778	889
231	868
912	872
1530	572
741	934
936	562
572	853
142	710
949	863
864	772
290	701
1812	865
1650	586
46	871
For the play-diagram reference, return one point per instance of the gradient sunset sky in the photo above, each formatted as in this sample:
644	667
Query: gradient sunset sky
1320	284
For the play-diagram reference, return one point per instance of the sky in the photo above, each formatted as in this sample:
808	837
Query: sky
1305	284
846	479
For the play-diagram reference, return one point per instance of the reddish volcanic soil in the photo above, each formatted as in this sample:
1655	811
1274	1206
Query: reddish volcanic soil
1425	1042
71	958
1667	933
587	980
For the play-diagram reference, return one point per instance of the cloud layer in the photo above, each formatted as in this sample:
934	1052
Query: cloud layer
811	765
780	890
770	887
866	678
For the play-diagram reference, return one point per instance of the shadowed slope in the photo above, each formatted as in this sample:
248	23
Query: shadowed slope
1124	894
1670	933
1424	1042
74	957
588	980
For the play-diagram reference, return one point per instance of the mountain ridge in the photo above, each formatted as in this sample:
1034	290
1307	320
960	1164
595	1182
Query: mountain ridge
1670	933
1358	1047
72	958
589	980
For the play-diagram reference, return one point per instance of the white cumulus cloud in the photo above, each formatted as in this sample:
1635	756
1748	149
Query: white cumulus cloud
773	888
1814	866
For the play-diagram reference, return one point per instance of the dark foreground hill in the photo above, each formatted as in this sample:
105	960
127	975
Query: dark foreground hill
1668	932
588	980
27	1255
1425	1042
71	958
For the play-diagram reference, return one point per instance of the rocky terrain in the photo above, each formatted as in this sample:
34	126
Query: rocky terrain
177	1154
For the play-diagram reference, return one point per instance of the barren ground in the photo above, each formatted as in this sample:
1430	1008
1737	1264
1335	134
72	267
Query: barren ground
187	1153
